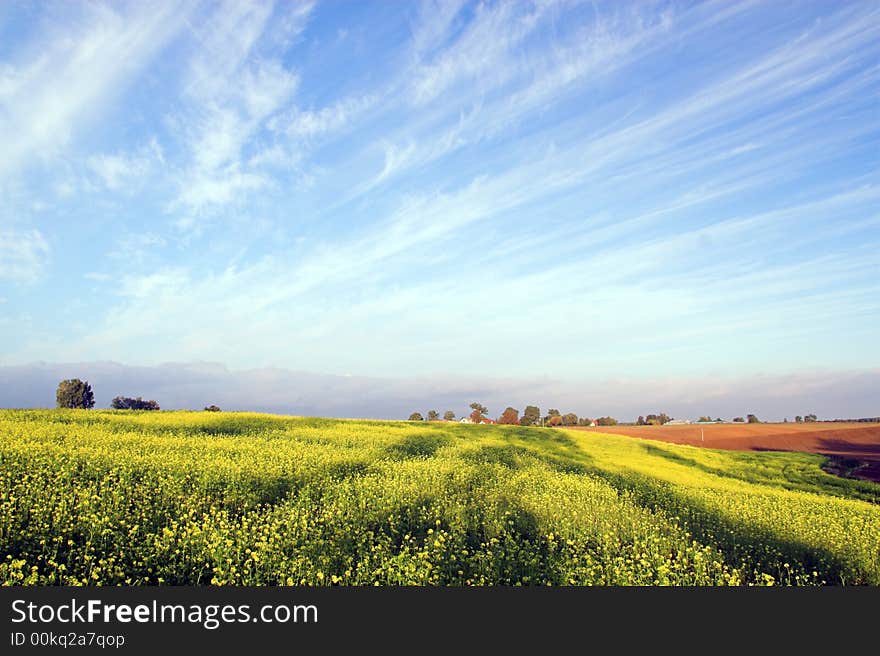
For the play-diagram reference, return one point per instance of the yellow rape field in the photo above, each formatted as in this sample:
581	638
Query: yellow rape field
122	498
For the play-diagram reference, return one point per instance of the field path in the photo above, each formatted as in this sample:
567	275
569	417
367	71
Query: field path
844	443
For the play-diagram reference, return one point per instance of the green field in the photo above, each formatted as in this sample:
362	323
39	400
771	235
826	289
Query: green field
122	497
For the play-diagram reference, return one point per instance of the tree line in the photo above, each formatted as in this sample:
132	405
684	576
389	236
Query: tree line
531	416
78	394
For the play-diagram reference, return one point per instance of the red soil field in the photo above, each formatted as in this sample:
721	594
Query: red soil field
844	443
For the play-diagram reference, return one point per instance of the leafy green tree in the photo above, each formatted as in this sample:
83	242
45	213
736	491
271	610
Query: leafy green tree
509	416
752	419
569	419
799	419
127	403
606	421
555	420
641	421
449	415
416	416
530	416
739	420
212	408
810	418
479	412
75	393
433	415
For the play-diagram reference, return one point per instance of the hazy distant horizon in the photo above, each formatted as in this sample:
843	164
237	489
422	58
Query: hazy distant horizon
829	395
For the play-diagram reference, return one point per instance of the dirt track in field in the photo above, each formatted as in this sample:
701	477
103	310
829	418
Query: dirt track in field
843	443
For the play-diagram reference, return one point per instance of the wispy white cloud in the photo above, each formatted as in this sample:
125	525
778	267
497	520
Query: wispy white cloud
119	170
23	255
134	248
232	90
308	124
66	78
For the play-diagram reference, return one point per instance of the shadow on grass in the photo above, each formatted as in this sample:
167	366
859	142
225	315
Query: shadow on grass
740	543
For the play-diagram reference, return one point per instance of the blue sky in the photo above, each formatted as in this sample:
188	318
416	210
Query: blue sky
570	190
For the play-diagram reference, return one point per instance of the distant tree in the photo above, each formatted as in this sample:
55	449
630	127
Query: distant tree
449	415
552	412
531	415
719	420
74	393
799	419
212	408
584	421
569	419
606	421
433	415
809	417
127	403
478	412
752	419
509	416
739	420
554	420
785	420
641	421
416	416
705	419
658	420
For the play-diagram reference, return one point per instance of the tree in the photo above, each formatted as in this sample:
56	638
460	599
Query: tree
212	408
531	415
433	415
606	421
449	415
739	420
658	420
479	412
752	419
584	421
74	393
127	403
554	420
799	419
509	416
809	417
552	412
641	421
705	419
569	419
416	416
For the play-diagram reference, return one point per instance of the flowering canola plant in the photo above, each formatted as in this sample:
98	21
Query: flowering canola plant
152	498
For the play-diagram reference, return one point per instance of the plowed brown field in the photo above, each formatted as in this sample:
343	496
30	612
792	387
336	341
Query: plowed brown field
844	443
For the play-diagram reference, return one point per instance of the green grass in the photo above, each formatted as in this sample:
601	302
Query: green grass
104	497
